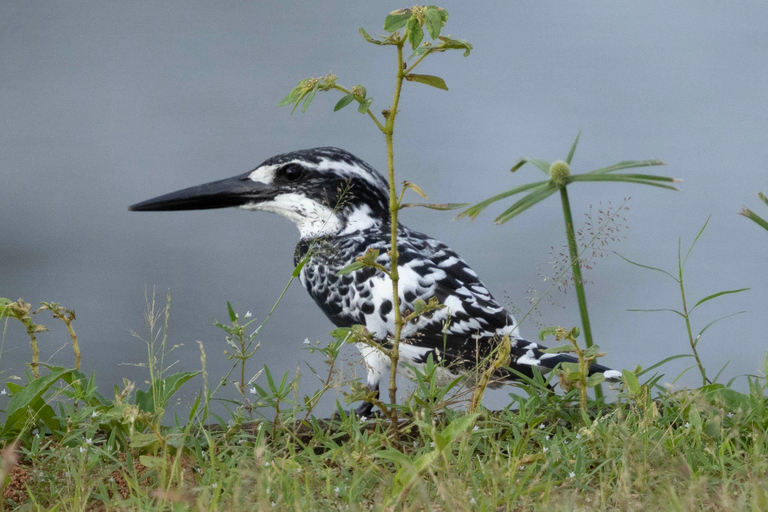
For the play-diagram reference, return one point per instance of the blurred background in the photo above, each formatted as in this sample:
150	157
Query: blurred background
105	104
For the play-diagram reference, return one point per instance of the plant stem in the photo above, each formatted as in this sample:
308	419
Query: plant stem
704	378
576	267
394	206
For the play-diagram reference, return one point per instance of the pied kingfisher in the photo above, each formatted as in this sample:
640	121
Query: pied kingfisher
340	205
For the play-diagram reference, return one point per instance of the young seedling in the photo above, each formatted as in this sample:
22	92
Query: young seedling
404	26
559	173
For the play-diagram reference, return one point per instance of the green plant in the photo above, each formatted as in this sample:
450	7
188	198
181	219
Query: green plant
755	217
685	314
413	22
559	178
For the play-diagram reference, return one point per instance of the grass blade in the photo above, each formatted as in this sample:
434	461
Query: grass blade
643	180
698	336
627	164
647	266
573	149
657	310
746	212
696	240
473	211
663	362
525	203
541	164
718	294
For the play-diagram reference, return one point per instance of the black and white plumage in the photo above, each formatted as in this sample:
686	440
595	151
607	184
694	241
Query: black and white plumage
340	205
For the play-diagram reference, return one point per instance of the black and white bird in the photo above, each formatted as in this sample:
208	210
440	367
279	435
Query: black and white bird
340	205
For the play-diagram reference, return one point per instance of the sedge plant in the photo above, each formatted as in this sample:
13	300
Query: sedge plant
404	27
559	177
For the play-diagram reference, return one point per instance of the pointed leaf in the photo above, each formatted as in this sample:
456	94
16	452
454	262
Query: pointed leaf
630	380
231	311
367	37
435	206
547	331
525	203
701	332
625	178
365	105
434	81
657	310
663	362
541	164
434	22
627	164
344	101
415	32
454	44
415	188
397	19
595	380
308	100
648	267
573	149
355	265
746	212
718	294
475	210
694	242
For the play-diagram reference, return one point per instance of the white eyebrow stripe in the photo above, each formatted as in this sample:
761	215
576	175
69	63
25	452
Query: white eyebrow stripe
263	174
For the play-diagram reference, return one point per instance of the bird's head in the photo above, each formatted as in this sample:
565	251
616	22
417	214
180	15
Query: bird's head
323	190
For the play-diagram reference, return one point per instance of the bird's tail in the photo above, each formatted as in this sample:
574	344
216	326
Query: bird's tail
527	354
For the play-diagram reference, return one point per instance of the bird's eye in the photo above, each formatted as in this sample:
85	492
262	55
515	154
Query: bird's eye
292	172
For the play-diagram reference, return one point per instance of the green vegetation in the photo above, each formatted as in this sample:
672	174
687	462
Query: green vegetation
67	446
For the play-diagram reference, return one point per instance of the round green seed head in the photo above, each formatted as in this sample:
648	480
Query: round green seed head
559	172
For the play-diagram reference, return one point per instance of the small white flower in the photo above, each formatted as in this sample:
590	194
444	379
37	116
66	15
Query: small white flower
571	474
214	485
415	444
248	314
237	316
542	426
578	436
298	470
545	449
266	463
3	392
546	437
472	501
431	445
112	479
83	449
240	441
199	470
274	504
267	490
258	429
475	428
687	424
89	440
521	468
336	490
363	419
253	391
306	341
730	415
95	414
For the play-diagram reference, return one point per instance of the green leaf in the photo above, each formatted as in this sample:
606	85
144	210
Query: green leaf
22	400
454	44
630	380
344	101
573	149
473	211
231	311
718	294
643	180
142	440
308	99
525	203
662	362
701	332
765	366
657	310
595	380
415	188
435	206
415	32
547	331
434	22
355	265
561	349
367	37
648	267
365	105
693	244
746	212
434	81
397	19
627	164
541	164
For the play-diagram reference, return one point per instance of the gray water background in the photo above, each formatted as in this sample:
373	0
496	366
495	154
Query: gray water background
104	104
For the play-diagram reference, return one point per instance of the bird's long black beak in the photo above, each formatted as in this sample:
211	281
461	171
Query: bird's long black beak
237	191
